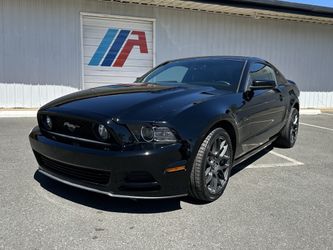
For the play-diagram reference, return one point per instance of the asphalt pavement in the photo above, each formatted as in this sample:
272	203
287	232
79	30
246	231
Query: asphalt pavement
279	199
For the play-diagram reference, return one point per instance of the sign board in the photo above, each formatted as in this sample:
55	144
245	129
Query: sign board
115	49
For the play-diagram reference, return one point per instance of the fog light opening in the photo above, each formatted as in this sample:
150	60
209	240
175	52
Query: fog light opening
48	122
103	132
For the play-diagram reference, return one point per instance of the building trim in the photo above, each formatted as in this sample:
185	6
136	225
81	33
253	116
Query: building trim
270	9
117	16
278	6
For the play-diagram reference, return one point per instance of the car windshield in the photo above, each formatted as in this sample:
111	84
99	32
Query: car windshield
219	73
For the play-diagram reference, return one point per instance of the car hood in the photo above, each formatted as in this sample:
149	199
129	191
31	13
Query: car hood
143	102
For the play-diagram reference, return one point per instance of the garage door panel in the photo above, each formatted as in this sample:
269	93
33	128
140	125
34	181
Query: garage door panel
117	78
103	82
92	43
115	50
146	63
101	22
133	72
142	64
135	54
131	65
95	30
95	41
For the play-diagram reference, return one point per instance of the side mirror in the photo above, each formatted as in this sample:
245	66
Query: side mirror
262	84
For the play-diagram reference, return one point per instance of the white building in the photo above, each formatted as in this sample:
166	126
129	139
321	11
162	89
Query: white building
52	47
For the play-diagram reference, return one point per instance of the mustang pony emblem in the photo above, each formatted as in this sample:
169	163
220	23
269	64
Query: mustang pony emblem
71	127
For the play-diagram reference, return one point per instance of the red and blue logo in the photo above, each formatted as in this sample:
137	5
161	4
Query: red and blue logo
116	47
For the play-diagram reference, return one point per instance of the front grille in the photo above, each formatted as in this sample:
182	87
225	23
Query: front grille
73	172
84	128
81	128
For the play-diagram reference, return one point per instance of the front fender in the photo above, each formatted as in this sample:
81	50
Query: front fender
195	123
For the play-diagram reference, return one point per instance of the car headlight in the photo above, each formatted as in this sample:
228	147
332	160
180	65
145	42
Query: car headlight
147	134
157	134
163	134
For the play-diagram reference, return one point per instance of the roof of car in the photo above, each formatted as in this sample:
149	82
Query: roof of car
237	58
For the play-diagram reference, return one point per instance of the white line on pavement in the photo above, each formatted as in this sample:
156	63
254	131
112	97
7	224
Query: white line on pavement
315	126
291	163
273	165
286	158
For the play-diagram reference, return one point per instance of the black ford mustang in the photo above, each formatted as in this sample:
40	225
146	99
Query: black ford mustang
178	130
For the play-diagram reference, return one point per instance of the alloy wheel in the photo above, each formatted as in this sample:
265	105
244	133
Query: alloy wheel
217	165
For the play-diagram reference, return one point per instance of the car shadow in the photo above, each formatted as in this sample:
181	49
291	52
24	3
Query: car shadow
111	204
104	202
239	167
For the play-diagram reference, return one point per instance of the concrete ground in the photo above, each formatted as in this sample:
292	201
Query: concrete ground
280	199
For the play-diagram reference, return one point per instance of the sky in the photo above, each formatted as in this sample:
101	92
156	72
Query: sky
326	3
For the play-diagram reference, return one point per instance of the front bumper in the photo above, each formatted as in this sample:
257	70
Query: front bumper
136	173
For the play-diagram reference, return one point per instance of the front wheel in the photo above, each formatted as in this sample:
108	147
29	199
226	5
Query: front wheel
212	166
288	135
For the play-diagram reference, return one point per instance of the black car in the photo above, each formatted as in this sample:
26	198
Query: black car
178	130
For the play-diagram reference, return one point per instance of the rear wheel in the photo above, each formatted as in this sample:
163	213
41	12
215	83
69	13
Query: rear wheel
212	166
288	135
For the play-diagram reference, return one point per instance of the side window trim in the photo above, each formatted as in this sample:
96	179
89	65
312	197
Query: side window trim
273	71
281	76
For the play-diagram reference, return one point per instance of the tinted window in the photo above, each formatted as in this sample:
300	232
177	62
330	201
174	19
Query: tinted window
261	72
279	77
172	74
219	73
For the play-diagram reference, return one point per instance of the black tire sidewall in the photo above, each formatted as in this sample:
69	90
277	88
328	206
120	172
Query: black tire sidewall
216	132
293	113
284	139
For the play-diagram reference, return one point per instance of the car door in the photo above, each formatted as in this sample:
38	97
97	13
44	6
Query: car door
263	110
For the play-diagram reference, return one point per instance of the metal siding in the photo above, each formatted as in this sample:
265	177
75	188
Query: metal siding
41	44
30	95
2	40
303	52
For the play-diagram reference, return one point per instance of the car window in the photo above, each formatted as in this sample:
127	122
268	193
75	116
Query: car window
219	73
261	72
173	74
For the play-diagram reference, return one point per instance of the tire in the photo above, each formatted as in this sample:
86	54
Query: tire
288	134
211	167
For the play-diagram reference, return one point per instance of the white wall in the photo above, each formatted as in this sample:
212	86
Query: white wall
41	44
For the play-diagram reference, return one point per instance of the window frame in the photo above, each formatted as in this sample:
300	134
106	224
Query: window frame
248	82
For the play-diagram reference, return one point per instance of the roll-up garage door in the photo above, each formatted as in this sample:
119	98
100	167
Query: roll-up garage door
115	50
